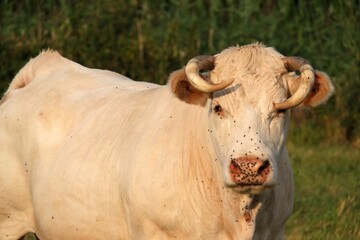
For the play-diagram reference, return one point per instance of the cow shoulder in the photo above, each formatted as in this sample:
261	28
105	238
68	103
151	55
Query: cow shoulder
181	87
40	65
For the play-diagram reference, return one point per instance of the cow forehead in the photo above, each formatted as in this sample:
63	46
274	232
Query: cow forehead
254	58
256	71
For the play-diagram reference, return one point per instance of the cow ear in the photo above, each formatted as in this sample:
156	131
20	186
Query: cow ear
182	88
322	90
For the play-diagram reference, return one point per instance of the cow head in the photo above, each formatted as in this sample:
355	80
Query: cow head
251	89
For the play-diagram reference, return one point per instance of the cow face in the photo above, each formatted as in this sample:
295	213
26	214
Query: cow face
251	90
249	139
247	132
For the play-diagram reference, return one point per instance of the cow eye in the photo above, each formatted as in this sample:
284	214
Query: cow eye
217	108
280	113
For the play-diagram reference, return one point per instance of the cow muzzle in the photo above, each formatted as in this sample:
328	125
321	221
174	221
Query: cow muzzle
250	174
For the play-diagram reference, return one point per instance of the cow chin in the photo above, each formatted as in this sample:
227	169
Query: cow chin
250	189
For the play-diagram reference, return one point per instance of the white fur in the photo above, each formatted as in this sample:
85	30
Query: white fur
90	154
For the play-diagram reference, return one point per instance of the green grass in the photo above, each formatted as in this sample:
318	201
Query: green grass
327	192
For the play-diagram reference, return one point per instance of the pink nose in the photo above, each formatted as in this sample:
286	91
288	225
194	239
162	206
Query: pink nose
249	170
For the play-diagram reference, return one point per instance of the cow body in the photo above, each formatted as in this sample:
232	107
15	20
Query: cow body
88	153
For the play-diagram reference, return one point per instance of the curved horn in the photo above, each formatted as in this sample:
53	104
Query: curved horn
195	65
306	81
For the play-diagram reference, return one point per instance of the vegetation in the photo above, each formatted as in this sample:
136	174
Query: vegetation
146	40
326	193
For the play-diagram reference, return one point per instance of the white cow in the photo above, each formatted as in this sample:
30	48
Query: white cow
91	154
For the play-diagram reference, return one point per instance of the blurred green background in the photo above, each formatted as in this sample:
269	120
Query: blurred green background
146	40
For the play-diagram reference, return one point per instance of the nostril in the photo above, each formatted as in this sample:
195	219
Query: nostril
263	167
249	170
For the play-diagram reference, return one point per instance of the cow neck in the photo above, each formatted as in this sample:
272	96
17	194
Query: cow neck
202	171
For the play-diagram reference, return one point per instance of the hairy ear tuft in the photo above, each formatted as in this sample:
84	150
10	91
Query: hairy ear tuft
322	90
182	88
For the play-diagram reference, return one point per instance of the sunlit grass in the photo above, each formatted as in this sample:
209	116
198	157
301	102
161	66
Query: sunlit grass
327	193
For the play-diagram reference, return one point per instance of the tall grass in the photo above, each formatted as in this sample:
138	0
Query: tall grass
327	193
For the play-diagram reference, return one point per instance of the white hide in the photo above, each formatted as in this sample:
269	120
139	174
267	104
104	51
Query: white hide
90	154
